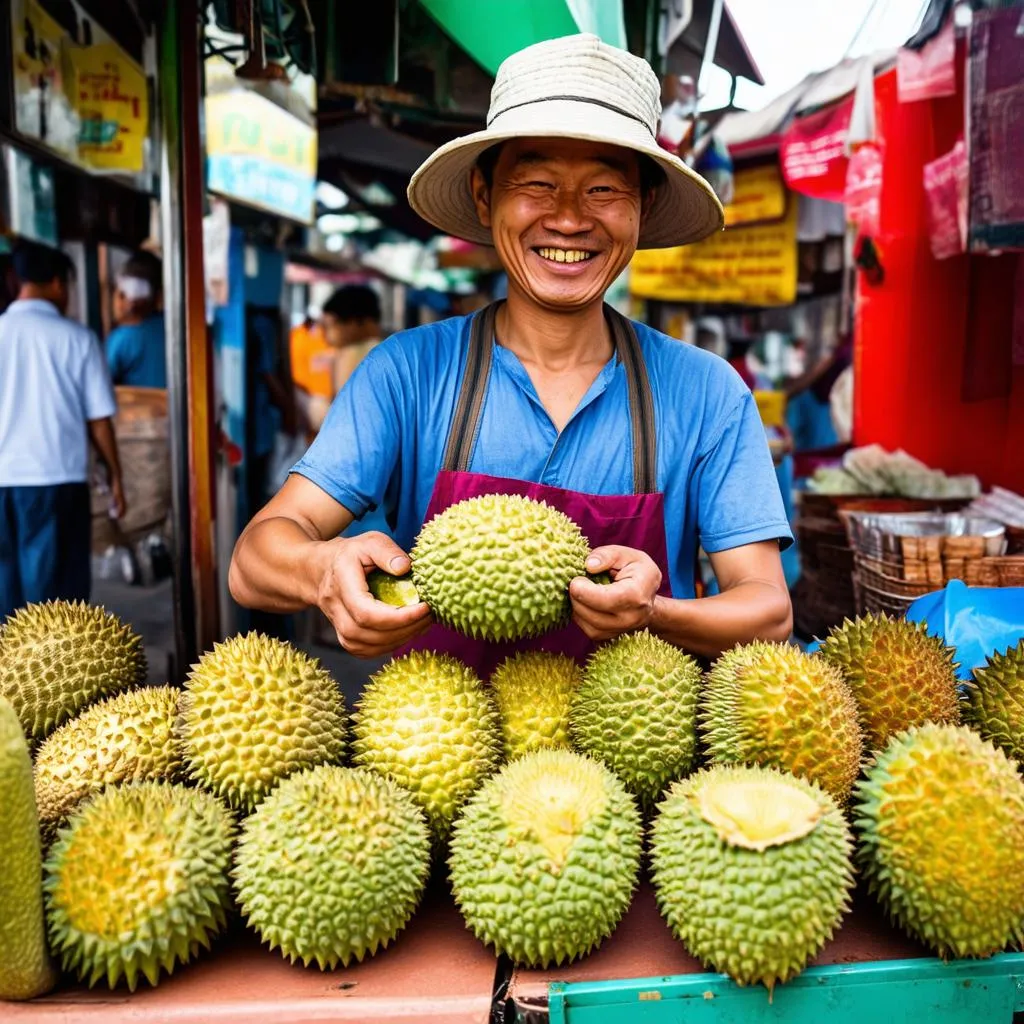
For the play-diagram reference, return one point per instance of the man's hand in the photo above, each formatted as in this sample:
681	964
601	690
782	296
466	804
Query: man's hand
605	611
365	626
118	505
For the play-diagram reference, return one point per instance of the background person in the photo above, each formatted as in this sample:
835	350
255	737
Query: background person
55	397
137	347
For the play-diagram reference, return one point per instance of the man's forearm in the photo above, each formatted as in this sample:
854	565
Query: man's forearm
277	566
709	625
102	434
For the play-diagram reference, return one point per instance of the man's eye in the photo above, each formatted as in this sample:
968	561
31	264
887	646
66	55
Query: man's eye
601	188
539	184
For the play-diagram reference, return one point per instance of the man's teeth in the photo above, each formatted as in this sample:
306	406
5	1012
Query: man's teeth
565	255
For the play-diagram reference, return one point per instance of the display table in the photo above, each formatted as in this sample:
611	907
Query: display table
868	974
435	972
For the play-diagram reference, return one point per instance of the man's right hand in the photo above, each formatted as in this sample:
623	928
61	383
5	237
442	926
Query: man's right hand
365	626
118	506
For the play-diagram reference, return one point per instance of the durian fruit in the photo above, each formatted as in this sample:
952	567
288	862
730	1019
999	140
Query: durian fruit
331	866
996	702
57	657
256	709
545	856
771	704
25	968
636	711
138	882
426	720
900	676
397	591
533	691
498	567
941	821
751	869
126	738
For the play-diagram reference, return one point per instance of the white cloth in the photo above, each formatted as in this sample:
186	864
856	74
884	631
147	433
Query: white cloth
53	379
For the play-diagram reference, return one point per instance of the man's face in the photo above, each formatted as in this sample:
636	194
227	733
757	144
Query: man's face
342	333
565	216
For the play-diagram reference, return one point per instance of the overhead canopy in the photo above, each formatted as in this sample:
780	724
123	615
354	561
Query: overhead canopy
731	53
491	32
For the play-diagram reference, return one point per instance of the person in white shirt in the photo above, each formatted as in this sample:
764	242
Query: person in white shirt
55	396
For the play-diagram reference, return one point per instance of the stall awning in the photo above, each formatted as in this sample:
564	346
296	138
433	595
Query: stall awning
490	32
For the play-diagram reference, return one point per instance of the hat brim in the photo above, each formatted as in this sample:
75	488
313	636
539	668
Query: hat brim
685	207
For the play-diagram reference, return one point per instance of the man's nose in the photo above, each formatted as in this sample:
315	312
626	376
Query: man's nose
569	215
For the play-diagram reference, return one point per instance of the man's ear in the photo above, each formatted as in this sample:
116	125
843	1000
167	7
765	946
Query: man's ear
481	193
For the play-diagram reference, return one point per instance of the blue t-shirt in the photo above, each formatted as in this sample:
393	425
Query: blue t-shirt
137	353
383	440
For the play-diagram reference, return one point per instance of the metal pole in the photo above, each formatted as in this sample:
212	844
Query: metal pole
189	354
711	42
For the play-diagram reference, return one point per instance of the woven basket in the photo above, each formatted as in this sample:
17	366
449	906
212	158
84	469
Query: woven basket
871	601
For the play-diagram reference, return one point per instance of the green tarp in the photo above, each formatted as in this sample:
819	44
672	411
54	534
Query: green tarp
490	30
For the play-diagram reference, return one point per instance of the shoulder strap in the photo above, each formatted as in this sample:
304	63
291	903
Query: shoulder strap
471	394
462	435
641	402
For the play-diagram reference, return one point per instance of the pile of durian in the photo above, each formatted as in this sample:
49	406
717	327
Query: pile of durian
138	821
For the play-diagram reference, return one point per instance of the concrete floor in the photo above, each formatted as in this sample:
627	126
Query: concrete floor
150	611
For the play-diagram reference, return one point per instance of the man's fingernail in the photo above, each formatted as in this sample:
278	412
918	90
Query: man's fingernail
396	563
593	560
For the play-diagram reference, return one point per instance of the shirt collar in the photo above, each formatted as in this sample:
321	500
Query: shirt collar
33	305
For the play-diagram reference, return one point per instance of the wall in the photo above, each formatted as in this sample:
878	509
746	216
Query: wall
935	329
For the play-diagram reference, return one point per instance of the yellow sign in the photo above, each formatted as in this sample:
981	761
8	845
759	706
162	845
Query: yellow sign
90	103
758	194
109	92
752	266
260	153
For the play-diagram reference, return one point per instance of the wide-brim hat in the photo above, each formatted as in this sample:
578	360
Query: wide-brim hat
575	87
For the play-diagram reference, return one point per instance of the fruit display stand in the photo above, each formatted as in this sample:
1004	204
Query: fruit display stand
868	974
434	973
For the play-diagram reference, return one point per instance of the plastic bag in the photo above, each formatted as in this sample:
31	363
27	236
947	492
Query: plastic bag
977	621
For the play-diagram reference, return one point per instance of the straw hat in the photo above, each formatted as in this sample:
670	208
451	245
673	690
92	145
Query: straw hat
575	87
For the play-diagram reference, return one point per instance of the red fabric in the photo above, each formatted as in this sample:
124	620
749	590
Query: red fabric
917	330
945	186
813	152
631	520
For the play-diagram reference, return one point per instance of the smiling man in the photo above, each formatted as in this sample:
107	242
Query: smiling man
655	447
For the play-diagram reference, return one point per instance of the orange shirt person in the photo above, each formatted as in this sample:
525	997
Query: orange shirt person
312	362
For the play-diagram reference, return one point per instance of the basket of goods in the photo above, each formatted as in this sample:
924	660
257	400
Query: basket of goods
900	556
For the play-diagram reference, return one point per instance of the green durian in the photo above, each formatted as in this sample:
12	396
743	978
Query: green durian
995	705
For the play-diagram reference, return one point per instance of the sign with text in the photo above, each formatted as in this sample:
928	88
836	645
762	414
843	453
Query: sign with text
87	103
260	154
813	152
752	266
758	195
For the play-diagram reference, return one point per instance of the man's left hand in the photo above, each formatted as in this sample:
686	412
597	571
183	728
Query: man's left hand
607	610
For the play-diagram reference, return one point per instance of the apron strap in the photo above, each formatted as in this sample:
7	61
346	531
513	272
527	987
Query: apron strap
462	434
466	421
641	402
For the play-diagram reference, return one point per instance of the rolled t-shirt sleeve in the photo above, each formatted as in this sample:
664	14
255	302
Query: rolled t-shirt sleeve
734	485
98	401
356	452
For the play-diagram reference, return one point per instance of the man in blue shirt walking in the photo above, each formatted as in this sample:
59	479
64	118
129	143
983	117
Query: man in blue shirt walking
55	397
656	444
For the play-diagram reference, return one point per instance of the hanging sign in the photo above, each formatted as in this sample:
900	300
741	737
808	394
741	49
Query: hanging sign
111	97
930	71
260	154
813	152
753	266
87	103
863	196
758	195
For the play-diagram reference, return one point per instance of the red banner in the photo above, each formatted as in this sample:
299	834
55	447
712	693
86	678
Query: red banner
813	152
930	71
945	189
864	190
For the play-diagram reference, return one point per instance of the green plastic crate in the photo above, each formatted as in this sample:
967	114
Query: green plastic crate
920	991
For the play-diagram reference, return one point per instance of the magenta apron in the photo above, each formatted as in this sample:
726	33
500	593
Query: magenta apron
632	520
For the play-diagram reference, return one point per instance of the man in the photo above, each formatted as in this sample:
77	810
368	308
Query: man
137	347
658	445
312	364
351	321
55	396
